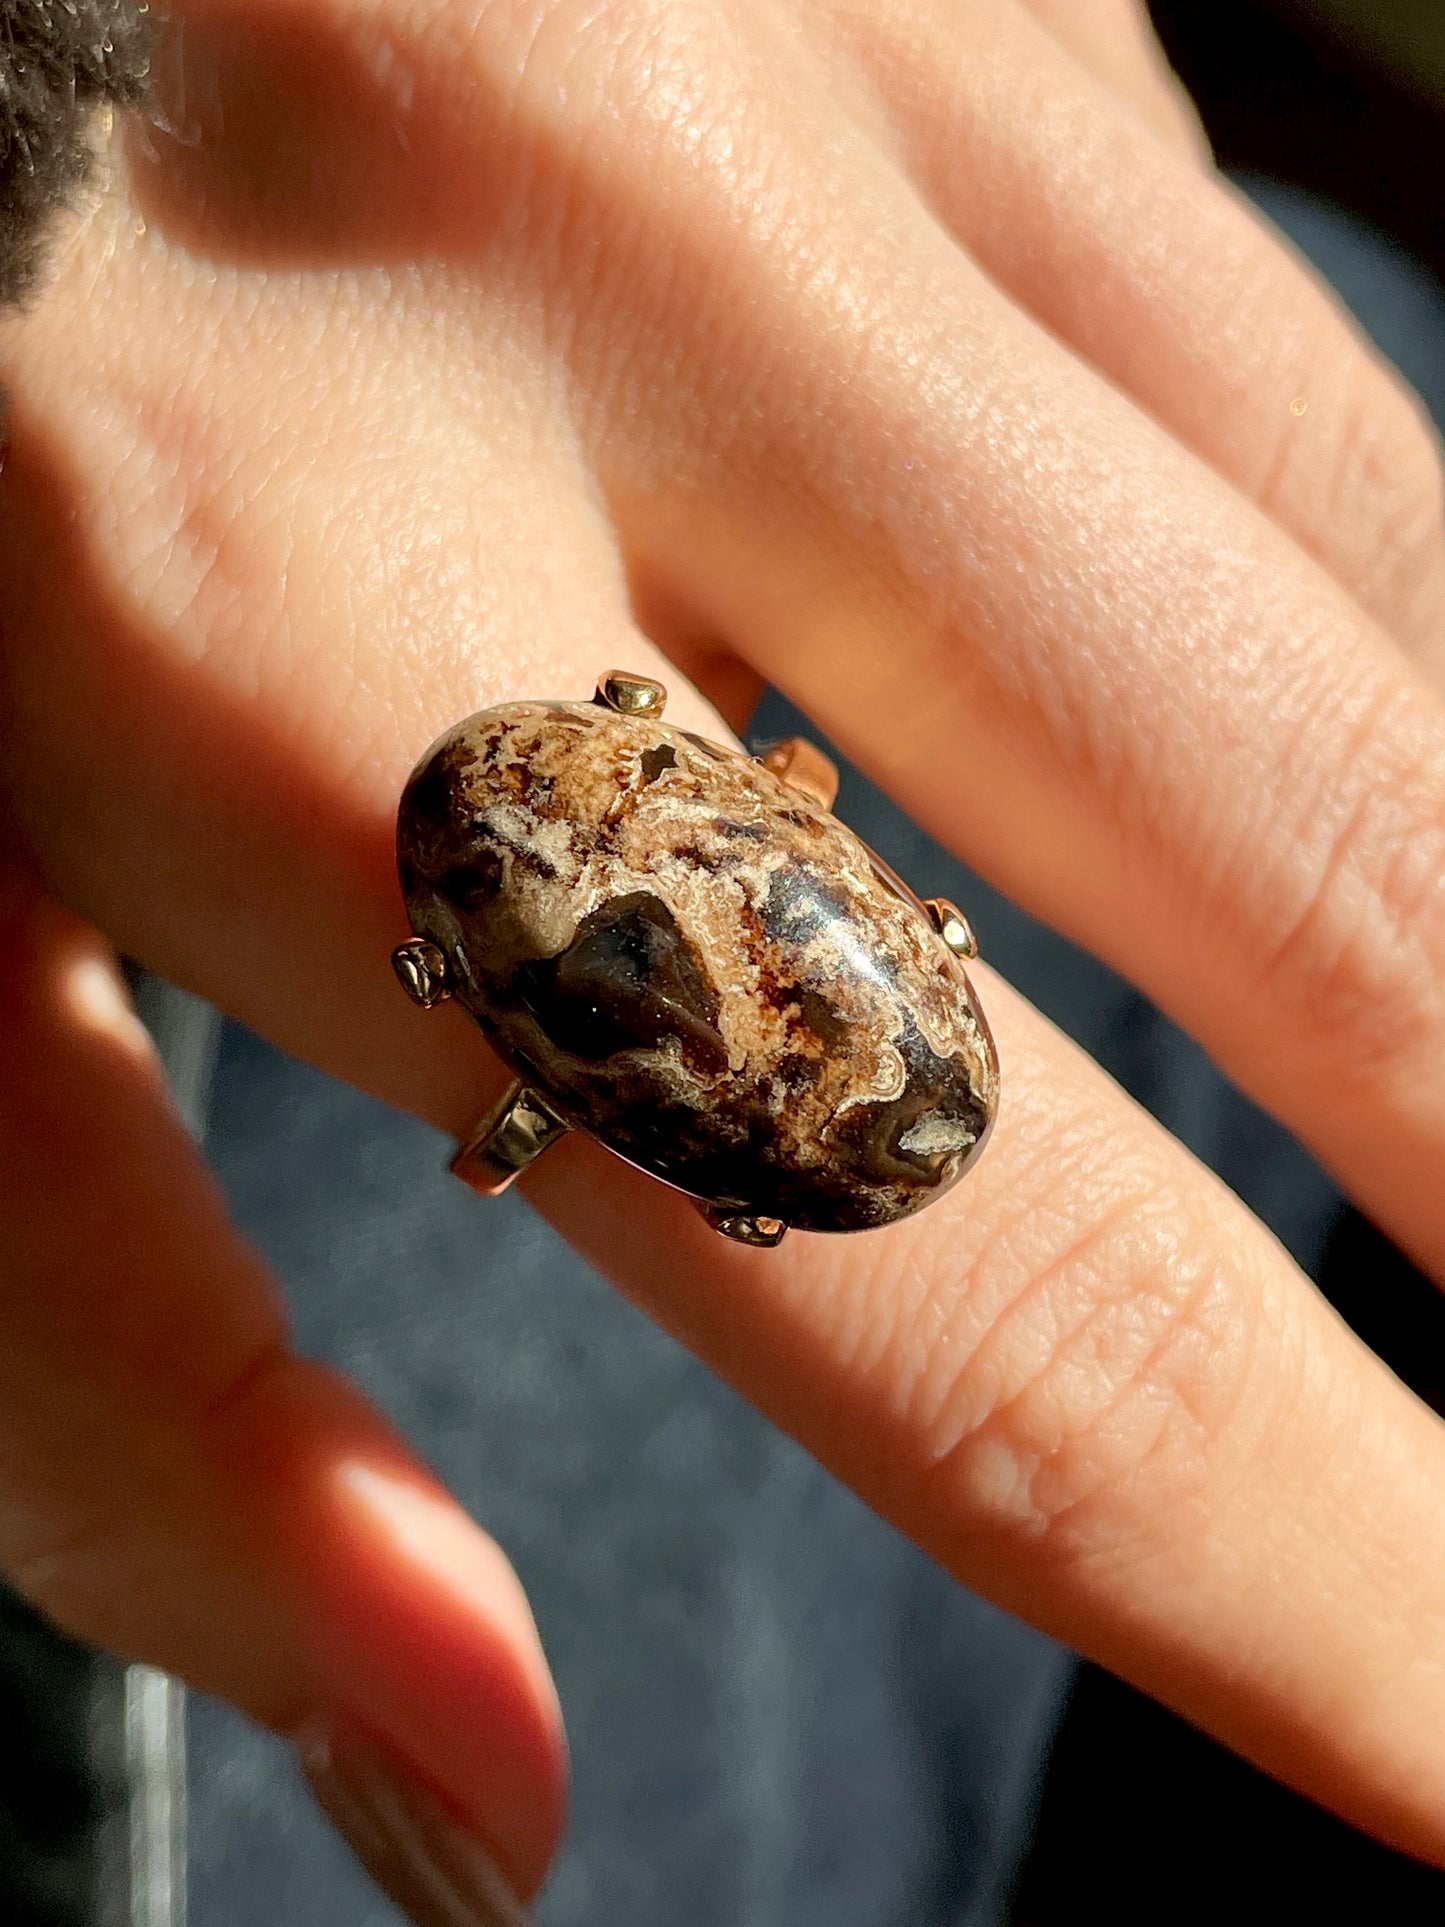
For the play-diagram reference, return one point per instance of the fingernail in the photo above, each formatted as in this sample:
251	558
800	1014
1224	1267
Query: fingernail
413	1847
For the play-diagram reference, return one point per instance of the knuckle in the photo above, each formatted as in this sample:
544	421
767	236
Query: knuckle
1091	1412
1359	964
1389	481
1372	463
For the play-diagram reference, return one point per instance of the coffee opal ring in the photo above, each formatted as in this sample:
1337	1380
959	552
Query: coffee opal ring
682	953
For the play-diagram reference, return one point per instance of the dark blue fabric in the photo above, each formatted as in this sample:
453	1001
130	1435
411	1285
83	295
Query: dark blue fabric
1398	301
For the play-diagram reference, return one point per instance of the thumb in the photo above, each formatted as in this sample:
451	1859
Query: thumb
176	1484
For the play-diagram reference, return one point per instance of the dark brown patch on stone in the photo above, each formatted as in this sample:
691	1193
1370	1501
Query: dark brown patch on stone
936	1087
713	861
433	792
825	1021
530	784
799	1071
472	886
629	980
655	761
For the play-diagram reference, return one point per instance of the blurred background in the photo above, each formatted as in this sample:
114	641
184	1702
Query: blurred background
1343	97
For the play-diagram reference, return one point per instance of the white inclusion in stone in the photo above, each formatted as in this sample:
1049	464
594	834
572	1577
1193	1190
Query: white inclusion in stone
934	1133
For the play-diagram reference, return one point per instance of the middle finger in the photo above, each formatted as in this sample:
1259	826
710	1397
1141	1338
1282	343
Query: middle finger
1059	638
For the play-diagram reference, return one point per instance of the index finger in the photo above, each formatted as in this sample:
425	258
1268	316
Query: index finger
179	1485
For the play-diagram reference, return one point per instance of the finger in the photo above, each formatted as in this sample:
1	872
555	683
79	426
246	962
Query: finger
1096	1391
1061	641
1114	41
176	1484
1159	276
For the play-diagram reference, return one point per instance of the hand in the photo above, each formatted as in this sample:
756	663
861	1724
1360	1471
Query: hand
910	357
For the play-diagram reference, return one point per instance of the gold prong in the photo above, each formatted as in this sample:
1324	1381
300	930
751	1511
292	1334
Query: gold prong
422	971
953	926
744	1227
515	1132
804	766
631	695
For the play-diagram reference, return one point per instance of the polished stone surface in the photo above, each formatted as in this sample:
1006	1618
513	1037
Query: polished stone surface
697	964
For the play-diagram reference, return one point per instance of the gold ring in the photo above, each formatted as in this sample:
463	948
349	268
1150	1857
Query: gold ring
681	952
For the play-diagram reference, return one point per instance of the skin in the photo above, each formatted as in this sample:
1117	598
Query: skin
421	357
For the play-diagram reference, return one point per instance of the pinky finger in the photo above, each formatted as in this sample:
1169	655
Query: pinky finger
178	1485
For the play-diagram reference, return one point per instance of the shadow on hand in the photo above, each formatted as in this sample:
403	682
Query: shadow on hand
285	135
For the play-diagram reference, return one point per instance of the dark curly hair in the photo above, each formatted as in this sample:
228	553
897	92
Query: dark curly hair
59	60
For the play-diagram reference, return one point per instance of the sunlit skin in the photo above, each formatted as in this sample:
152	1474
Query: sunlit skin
425	355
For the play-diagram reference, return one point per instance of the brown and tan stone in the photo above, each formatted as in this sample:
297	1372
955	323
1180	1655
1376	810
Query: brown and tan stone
697	964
